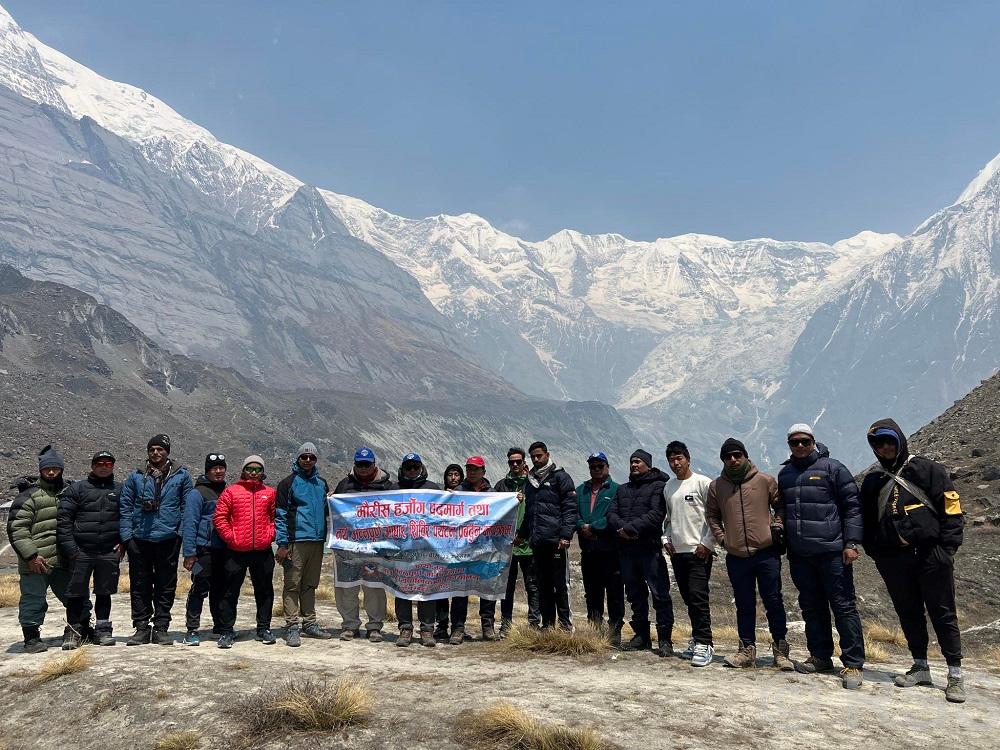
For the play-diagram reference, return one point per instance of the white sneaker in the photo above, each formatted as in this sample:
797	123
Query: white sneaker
689	651
703	654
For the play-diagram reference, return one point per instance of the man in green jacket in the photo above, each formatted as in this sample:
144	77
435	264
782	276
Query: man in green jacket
32	531
522	557
599	559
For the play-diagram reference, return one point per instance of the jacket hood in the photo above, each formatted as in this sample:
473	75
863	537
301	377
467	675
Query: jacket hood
204	481
381	477
904	450
401	480
650	476
300	472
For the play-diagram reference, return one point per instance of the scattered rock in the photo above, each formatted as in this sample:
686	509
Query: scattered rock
991	473
978	453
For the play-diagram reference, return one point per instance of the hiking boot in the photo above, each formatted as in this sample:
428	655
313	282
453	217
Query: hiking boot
34	646
405	638
615	636
779	650
162	638
103	633
955	692
489	634
664	645
72	639
688	652
915	675
313	630
744	658
349	635
851	678
191	638
505	626
265	636
639	642
375	636
702	655
427	639
457	636
143	634
292	636
814	664
226	640
441	633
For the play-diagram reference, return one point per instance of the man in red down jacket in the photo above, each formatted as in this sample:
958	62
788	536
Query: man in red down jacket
244	520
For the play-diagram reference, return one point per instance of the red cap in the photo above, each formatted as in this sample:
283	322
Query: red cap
476	461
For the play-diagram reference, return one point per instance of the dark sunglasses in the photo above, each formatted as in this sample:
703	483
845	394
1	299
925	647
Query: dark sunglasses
104	462
516	462
253	470
307	457
411	467
596	465
795	442
881	441
733	454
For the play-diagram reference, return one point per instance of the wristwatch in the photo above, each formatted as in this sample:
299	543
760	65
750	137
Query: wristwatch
851	546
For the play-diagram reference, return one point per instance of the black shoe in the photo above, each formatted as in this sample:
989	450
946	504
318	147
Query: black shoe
33	641
143	634
162	638
639	642
226	640
265	636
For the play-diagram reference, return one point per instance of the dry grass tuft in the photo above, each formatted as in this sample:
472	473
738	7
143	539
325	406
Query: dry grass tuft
993	657
586	640
306	705
876	652
108	701
238	666
183	584
278	610
325	593
10	590
505	726
53	669
879	632
162	694
179	741
124	583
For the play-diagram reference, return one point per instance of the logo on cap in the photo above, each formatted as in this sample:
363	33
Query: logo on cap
476	461
597	456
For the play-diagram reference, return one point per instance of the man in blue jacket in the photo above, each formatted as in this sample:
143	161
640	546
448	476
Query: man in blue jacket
823	529
300	532
151	506
599	561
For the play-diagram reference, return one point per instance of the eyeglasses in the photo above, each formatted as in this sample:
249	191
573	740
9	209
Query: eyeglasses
216	457
734	454
796	442
307	457
516	462
253	469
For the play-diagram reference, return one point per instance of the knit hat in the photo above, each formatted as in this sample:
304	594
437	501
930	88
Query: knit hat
50	458
676	446
801	428
214	459
161	440
307	448
364	455
476	461
252	460
102	456
645	456
731	446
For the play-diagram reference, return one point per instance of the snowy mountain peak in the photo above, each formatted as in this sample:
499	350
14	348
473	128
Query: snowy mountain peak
21	68
986	174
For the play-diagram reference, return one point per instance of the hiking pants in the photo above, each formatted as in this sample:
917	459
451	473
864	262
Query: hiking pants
691	575
552	573
825	584
759	572
460	611
152	568
302	570
602	576
425	614
34	587
530	581
260	564
205	582
644	572
349	607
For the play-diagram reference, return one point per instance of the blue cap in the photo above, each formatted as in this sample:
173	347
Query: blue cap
412	458
598	456
884	432
364	454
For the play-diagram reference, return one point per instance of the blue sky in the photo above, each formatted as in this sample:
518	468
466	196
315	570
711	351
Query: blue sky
796	120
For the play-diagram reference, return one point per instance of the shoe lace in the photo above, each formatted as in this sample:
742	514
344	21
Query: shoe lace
850	672
701	648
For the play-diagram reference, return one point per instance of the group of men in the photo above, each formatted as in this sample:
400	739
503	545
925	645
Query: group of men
906	515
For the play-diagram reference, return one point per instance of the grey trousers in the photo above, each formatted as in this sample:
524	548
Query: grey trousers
349	607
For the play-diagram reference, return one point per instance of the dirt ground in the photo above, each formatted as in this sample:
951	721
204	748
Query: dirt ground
131	697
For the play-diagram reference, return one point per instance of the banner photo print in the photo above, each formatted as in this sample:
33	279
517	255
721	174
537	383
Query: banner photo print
424	544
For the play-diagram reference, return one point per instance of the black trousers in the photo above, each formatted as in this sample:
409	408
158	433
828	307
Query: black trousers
552	573
204	583
78	605
152	567
691	575
826	584
602	577
918	580
527	565
425	614
645	573
460	611
260	564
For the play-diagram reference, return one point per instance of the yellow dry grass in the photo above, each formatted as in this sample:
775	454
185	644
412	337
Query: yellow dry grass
10	590
876	652
993	657
502	725
325	593
124	583
53	669
307	705
179	741
880	632
585	640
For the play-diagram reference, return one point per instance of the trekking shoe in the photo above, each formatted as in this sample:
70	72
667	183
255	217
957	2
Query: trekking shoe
664	649
851	678
779	650
72	639
457	636
142	635
441	633
915	675
505	627
226	640
615	637
191	638
744	658
639	643
405	638
103	633
34	646
955	692
489	634
292	637
375	636
349	635
427	639
703	654
313	630
162	638
814	664
689	651
265	636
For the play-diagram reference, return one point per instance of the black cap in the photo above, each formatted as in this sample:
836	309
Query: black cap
161	440
102	456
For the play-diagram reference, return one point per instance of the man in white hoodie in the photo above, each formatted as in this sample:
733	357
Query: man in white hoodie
688	541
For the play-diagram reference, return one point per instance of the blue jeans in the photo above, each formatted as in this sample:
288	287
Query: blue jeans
825	583
762	572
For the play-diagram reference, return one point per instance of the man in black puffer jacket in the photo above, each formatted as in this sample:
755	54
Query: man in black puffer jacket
88	537
636	515
822	530
550	513
913	528
412	475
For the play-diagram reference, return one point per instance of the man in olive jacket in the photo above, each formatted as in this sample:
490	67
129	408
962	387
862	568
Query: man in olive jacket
600	564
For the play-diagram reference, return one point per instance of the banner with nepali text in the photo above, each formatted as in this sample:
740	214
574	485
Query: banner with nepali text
424	544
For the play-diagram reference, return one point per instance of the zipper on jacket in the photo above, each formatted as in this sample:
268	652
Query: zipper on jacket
743	511
253	519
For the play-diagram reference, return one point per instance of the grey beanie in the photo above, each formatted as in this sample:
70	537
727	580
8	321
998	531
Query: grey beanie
309	448
252	460
50	458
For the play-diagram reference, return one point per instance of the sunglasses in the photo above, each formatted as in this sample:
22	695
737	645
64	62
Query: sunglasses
881	441
364	464
516	462
104	463
307	457
253	470
734	454
411	467
596	465
796	442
